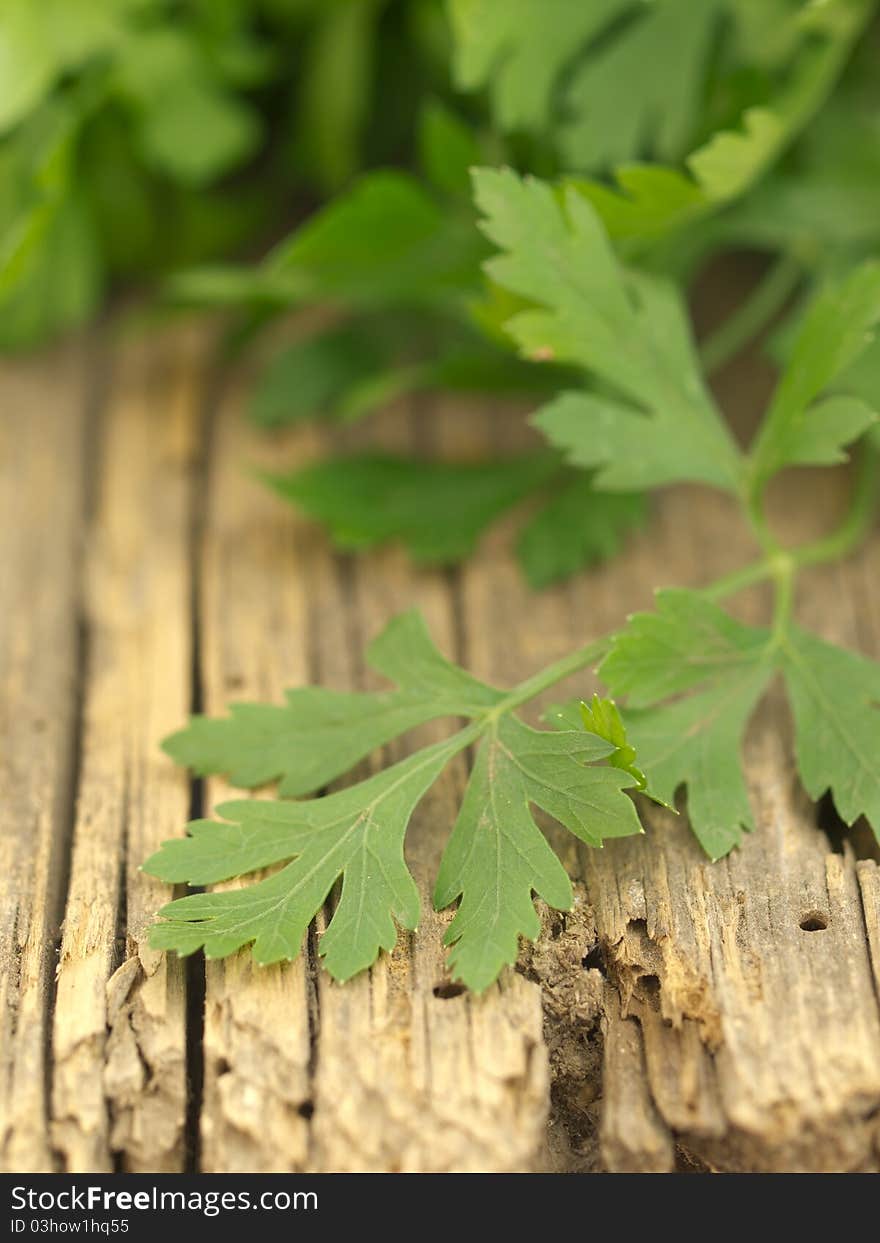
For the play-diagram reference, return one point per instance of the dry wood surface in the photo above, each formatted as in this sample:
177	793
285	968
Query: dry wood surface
683	1016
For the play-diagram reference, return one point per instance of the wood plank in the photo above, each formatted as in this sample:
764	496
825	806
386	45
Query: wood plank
119	1091
257	573
43	417
300	1072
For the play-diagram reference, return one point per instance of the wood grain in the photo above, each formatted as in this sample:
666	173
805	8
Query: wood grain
118	1077
43	418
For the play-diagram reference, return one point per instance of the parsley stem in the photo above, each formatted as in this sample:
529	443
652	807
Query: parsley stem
859	518
782	564
779	564
784	574
739	580
752	315
554	673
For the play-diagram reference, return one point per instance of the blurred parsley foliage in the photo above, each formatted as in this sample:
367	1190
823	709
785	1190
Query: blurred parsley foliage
690	130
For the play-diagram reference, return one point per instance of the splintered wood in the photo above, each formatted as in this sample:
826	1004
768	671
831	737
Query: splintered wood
42	434
118	1067
694	1016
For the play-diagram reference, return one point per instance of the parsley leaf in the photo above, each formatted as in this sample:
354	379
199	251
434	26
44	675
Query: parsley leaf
835	331
320	734
385	242
577	527
601	717
690	645
520	48
835	698
497	855
641	92
448	150
630	332
437	509
312	377
353	368
624	76
356	833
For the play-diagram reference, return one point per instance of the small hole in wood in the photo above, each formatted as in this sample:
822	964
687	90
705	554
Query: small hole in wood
814	921
448	990
223	1067
594	960
649	986
306	1109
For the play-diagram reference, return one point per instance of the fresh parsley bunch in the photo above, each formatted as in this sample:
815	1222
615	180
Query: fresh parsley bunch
690	674
225	116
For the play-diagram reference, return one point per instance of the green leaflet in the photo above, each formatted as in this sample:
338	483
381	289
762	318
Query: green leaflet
685	642
320	734
641	92
623	76
357	834
386	239
383	242
696	742
825	202
351	369
497	856
520	48
835	698
690	645
311	378
601	717
577	527
50	277
437	509
448	150
834	333
631	333
188	125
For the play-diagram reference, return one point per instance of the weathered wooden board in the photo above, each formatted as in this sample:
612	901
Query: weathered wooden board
687	1013
119	1039
43	418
